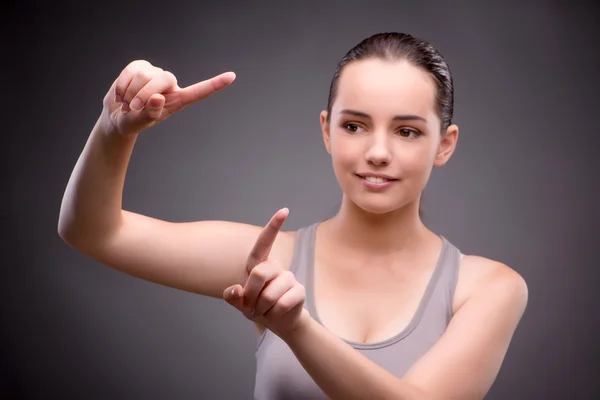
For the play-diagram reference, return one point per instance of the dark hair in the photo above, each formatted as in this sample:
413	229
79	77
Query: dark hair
395	46
402	46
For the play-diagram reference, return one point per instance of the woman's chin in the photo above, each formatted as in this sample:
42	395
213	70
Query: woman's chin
377	207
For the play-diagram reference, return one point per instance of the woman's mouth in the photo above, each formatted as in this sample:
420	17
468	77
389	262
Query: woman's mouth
376	182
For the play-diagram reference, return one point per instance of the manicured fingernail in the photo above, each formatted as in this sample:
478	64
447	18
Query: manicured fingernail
125	107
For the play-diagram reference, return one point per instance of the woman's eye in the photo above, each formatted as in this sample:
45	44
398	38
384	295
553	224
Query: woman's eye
350	127
405	132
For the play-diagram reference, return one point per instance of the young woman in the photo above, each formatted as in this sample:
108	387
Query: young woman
369	304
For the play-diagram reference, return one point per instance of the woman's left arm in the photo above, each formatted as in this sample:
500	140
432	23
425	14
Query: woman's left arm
463	364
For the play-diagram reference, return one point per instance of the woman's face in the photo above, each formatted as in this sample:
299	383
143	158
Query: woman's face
383	121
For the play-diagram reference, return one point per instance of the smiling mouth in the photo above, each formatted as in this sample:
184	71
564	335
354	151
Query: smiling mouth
373	179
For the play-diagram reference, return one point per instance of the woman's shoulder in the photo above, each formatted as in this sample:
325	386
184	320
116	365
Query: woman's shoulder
284	246
478	274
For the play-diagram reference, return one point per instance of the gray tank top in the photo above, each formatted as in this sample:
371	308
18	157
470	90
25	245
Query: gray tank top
279	375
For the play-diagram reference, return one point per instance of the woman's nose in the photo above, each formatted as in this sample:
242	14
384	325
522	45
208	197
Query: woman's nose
378	151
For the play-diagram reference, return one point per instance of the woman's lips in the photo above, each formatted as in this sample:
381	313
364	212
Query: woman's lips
377	185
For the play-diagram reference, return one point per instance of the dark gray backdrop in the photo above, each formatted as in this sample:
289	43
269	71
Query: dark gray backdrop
521	187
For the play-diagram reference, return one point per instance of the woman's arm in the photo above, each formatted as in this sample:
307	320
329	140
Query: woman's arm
201	257
463	364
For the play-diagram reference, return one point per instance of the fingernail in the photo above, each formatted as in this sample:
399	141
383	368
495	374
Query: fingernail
118	98
233	292
136	104
125	107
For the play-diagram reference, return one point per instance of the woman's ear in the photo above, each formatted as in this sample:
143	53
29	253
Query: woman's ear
447	146
325	131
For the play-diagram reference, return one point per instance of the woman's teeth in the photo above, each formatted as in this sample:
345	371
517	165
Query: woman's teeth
375	180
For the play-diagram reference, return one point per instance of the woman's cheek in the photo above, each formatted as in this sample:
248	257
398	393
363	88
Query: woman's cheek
416	167
344	155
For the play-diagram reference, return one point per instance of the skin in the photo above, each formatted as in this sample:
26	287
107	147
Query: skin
376	228
369	223
376	235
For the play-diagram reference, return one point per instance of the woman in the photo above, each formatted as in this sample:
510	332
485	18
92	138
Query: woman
369	304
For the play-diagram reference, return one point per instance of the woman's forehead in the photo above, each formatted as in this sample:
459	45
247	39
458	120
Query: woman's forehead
380	87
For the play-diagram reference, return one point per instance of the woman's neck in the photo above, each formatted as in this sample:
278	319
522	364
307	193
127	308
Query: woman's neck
378	234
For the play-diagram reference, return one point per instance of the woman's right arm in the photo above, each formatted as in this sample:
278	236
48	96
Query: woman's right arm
203	257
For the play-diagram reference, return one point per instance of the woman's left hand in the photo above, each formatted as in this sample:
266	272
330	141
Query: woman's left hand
271	295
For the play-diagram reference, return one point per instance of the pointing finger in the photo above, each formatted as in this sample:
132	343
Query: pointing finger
265	240
204	89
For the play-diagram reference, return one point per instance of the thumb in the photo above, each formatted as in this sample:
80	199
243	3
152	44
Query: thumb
233	295
154	106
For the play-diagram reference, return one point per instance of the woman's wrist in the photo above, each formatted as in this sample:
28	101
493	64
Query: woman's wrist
299	329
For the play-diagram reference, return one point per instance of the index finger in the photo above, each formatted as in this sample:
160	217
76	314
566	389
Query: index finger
204	89
265	240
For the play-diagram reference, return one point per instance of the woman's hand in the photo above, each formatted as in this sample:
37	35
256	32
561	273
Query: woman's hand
271	295
144	95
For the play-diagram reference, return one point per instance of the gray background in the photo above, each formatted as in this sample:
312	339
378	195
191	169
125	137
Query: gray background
521	187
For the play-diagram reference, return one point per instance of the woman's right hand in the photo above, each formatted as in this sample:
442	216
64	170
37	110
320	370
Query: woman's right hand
144	95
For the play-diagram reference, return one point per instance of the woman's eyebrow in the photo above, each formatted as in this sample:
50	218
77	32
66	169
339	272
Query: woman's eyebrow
406	117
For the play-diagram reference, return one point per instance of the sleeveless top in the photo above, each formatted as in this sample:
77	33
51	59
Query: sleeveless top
279	375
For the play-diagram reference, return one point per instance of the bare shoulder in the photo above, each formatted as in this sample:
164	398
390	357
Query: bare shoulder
480	275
